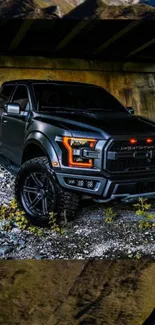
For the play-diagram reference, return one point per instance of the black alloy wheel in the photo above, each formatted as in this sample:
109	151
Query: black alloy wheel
38	193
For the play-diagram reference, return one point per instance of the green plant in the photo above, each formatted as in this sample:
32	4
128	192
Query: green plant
138	255
142	210
110	215
53	223
135	255
142	206
13	215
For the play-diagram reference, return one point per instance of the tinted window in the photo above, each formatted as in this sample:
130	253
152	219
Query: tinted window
5	94
21	97
77	97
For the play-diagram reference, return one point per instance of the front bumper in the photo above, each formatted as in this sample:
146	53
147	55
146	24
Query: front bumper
106	189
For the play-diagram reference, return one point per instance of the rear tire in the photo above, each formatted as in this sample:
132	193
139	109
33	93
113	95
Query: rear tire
37	192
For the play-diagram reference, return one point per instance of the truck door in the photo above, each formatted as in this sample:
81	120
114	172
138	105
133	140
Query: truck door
13	127
5	94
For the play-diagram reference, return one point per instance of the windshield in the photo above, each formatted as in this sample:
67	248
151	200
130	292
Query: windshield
87	98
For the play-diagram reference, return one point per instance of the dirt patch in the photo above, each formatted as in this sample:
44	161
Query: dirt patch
76	292
31	290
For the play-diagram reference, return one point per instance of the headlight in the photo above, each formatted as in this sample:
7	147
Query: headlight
80	151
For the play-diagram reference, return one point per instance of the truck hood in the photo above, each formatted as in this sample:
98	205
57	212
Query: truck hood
105	125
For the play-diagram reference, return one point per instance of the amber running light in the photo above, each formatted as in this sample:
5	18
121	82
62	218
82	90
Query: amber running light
133	141
149	140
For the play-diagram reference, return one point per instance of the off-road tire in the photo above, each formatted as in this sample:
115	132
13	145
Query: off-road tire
66	202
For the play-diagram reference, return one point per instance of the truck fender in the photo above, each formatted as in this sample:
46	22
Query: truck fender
45	145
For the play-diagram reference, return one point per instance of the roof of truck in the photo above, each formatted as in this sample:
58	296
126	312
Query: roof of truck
58	82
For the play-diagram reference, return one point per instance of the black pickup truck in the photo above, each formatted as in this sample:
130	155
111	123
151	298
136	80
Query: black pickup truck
65	140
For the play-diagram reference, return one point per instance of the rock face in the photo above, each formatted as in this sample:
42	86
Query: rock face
104	9
26	9
36	8
128	2
63	7
85	292
120	2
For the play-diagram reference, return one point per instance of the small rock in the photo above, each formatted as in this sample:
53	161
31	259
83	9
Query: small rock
14	238
16	230
38	257
21	242
5	250
21	248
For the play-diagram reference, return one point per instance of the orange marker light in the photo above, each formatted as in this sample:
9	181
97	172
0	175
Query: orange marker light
133	141
54	163
149	140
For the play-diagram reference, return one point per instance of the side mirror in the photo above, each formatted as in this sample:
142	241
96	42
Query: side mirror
12	108
130	110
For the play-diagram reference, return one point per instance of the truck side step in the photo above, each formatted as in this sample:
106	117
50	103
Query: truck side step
8	165
133	197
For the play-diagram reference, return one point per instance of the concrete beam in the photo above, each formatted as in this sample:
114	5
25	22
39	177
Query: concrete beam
42	63
141	48
74	32
26	25
116	36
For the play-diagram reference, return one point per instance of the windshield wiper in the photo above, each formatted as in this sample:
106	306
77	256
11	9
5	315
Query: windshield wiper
65	109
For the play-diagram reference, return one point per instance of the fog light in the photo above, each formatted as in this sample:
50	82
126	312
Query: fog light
80	183
90	184
71	181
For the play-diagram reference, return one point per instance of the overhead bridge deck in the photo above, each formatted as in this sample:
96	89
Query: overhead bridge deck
112	40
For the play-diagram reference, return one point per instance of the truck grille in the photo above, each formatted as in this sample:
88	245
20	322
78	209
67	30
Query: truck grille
123	157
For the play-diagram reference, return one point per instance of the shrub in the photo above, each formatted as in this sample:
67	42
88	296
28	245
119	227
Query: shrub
13	215
110	215
142	210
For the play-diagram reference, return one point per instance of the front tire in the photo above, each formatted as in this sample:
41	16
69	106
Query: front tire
37	192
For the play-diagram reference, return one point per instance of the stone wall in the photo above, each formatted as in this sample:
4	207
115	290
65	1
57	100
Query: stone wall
133	84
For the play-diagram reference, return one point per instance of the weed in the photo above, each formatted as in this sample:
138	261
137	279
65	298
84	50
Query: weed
110	215
142	210
13	215
53	223
138	255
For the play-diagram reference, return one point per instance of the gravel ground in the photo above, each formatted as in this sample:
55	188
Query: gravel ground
86	237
